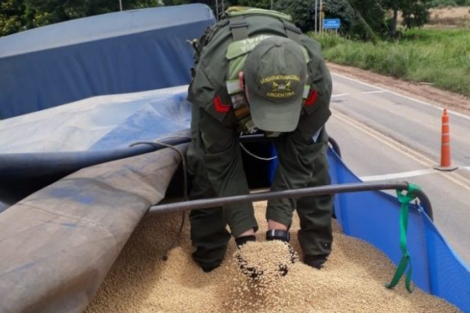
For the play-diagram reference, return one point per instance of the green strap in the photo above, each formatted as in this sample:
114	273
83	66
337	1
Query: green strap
405	262
239	27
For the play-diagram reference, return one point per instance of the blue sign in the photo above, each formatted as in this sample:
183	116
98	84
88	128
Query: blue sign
331	23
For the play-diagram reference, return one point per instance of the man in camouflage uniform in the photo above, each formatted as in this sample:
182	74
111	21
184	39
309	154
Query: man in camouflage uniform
257	72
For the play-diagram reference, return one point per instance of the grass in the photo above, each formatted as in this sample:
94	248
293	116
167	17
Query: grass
437	56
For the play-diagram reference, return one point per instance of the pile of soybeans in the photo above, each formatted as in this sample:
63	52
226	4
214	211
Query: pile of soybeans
352	280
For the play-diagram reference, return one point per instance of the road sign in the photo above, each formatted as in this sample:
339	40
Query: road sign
331	23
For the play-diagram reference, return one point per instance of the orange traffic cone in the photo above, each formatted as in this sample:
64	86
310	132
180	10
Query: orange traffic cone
445	145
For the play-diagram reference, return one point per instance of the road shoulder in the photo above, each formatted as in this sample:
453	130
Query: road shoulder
421	92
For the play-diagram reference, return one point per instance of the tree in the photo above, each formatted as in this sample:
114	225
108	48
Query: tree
11	14
369	23
18	15
302	12
415	13
179	2
262	4
343	10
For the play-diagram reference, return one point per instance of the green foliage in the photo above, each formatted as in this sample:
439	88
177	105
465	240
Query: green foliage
415	13
343	10
370	21
262	4
11	16
18	15
176	2
328	41
302	12
362	19
440	57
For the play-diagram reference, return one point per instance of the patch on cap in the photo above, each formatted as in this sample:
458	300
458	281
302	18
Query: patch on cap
280	86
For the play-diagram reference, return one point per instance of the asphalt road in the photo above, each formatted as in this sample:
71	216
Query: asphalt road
385	136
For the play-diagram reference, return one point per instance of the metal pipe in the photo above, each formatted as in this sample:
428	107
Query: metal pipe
316	16
321	17
335	146
295	193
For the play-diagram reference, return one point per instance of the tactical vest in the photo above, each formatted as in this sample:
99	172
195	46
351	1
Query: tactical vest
226	45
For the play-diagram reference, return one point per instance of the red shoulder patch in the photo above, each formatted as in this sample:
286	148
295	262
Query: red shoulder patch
312	97
219	106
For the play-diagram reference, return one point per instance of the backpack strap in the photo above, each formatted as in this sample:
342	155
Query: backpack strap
239	27
292	31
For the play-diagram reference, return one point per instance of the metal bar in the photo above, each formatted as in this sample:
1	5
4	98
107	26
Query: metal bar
316	16
295	193
321	17
334	145
253	138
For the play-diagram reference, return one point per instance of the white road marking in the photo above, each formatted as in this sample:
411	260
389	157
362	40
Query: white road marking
398	175
362	93
403	96
403	149
373	92
340	95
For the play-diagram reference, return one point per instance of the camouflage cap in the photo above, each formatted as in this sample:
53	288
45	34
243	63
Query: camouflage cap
275	76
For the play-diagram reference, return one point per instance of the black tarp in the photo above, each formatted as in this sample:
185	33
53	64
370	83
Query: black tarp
58	244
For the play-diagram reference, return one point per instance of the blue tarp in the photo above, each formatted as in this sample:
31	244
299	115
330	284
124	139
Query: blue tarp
108	54
374	217
40	148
